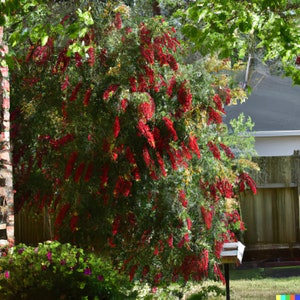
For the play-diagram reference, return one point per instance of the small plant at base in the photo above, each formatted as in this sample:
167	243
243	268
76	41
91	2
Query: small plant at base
58	271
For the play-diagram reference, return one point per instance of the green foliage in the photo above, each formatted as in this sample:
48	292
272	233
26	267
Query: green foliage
58	271
236	28
124	142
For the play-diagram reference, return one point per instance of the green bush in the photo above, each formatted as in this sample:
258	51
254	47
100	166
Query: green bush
59	271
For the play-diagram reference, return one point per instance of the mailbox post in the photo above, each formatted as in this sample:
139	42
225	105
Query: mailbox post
232	253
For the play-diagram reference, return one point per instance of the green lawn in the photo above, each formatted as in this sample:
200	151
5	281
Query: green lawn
260	283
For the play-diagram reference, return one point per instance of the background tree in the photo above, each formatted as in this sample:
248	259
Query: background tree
237	29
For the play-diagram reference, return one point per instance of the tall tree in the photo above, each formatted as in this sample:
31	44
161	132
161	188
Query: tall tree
123	141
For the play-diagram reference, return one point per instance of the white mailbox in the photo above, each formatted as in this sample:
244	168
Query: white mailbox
232	253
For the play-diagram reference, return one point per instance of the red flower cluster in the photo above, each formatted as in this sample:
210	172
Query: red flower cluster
170	126
214	149
123	187
195	266
118	21
110	91
70	164
227	151
225	188
207	215
184	97
57	143
245	179
182	198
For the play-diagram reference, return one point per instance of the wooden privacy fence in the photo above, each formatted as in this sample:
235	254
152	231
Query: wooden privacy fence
272	215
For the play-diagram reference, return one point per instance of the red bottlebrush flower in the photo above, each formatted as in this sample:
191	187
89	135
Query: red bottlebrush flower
145	271
172	157
130	156
213	192
79	172
91	53
150	75
170	126
65	84
132	81
218	273
89	172
64	109
116	225
218	248
116	127
87	97
157	278
124	104
246	178
145	131
172	84
214	149
64	19
207	216
62	141
185	151
148	53
142	84
227	151
225	188
182	198
193	145
132	272
156	252
161	164
118	21
184	240
228	96
297	62
110	91
170	241
74	222
111	242
70	164
62	62
146	109
78	59
136	174
62	213
128	30
41	54
184	97
123	187
218	102
145	35
75	91
189	223
214	117
146	156
172	62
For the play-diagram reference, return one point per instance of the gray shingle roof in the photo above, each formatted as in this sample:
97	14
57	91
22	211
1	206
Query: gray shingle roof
274	104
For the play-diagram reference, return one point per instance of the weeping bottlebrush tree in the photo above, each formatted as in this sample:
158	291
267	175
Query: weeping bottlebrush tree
124	143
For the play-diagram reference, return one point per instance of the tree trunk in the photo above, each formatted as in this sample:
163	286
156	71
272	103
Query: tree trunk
6	186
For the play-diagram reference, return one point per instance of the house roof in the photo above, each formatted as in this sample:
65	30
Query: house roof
273	105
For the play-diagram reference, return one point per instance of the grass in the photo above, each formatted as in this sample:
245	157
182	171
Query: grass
259	283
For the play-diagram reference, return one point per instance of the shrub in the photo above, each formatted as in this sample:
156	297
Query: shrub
59	271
